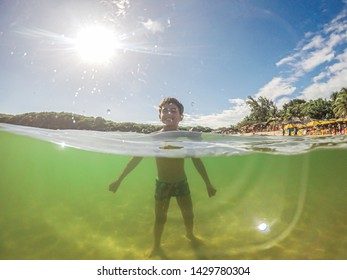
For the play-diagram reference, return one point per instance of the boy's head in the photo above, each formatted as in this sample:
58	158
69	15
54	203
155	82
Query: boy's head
171	100
170	112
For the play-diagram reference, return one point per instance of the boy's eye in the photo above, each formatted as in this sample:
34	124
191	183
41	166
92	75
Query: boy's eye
173	110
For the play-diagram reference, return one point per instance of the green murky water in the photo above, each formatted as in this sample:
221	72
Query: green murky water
55	204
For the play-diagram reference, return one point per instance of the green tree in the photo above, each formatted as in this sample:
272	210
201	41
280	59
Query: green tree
340	104
245	122
334	95
293	109
319	109
262	109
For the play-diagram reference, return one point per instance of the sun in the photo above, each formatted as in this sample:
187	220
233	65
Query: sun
96	44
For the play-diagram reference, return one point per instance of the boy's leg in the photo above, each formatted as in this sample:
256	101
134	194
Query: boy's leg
186	206
161	207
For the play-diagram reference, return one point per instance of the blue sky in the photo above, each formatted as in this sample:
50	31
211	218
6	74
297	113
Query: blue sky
209	54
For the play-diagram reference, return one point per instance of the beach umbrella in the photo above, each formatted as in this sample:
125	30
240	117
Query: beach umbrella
288	126
293	121
313	123
328	121
341	120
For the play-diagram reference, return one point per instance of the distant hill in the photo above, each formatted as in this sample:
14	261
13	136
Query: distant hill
62	120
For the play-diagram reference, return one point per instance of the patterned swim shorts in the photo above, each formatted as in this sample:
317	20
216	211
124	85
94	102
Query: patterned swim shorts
165	190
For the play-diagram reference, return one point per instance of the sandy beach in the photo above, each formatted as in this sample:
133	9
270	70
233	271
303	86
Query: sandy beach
279	133
264	133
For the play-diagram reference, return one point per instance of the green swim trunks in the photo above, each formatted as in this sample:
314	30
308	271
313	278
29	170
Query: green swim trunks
167	189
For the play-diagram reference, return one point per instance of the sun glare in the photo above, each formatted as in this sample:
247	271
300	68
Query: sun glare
96	44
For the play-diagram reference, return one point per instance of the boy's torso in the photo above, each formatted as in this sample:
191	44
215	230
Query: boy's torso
170	169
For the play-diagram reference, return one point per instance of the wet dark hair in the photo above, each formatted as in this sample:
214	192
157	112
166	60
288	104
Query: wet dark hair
168	100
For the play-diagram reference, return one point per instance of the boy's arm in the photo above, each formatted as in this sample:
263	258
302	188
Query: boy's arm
130	167
202	171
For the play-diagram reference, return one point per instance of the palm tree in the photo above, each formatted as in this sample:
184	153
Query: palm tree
340	104
319	109
261	109
334	95
293	109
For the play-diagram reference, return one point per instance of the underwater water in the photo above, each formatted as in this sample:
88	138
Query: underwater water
277	197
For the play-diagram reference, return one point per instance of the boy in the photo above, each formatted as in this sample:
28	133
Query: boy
171	180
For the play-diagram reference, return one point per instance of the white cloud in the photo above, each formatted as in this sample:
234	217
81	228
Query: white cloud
277	87
341	64
238	111
315	59
280	102
324	90
337	78
320	77
287	60
316	43
324	51
337	24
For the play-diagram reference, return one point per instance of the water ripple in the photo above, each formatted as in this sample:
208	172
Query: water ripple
178	143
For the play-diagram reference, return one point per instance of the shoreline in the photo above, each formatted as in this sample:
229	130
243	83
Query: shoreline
263	133
279	133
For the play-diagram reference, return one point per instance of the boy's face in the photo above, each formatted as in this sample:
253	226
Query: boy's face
170	115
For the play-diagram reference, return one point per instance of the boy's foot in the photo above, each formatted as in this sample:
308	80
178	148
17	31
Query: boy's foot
157	252
196	242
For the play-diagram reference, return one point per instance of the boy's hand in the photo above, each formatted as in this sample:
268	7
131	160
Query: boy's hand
113	187
211	190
